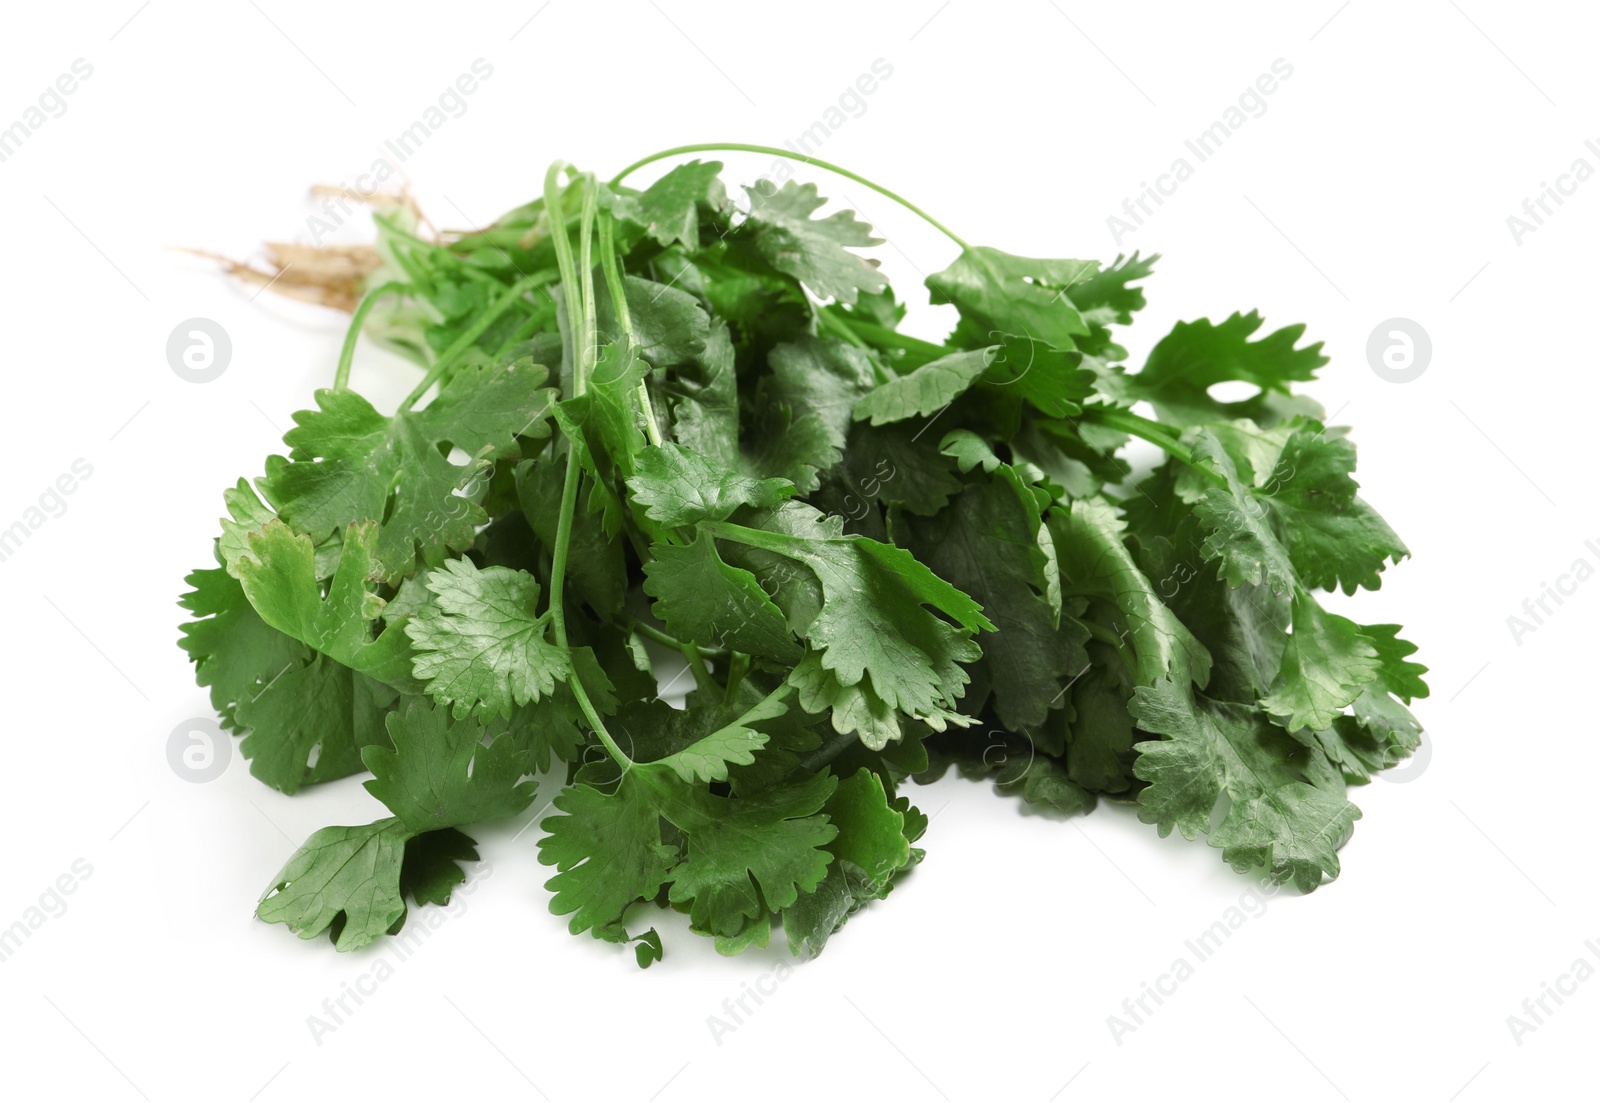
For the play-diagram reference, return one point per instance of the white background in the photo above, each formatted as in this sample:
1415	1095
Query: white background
1377	184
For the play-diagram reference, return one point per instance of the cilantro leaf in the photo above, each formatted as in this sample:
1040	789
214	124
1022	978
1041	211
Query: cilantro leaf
669	209
699	596
440	773
346	462
679	487
482	646
1325	664
748	856
351	881
991	541
812	250
1196	356
925	390
608	852
1277	816
1015	295
732	744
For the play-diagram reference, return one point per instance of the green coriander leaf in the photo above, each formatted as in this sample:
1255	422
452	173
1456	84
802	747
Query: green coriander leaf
812	250
874	621
1016	295
991	543
1050	379
1334	538
1198	355
870	848
279	576
234	651
608	852
1296	831
746	856
679	487
736	743
1326	663
1239	528
669	209
440	773
313	710
1276	816
701	597
482	646
349	880
925	390
347	461
1095	563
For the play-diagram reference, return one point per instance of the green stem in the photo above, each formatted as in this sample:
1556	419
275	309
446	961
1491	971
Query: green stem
836	326
578	306
586	273
702	673
1164	437
341	377
469	337
557	611
572	297
774	151
619	301
825	754
883	337
738	667
666	639
533	322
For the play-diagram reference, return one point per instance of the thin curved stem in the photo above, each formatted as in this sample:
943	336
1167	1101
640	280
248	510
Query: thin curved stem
572	297
774	151
619	301
579	300
469	337
591	336
666	639
347	354
1164	437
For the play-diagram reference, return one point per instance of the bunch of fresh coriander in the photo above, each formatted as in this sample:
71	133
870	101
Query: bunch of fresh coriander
662	422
